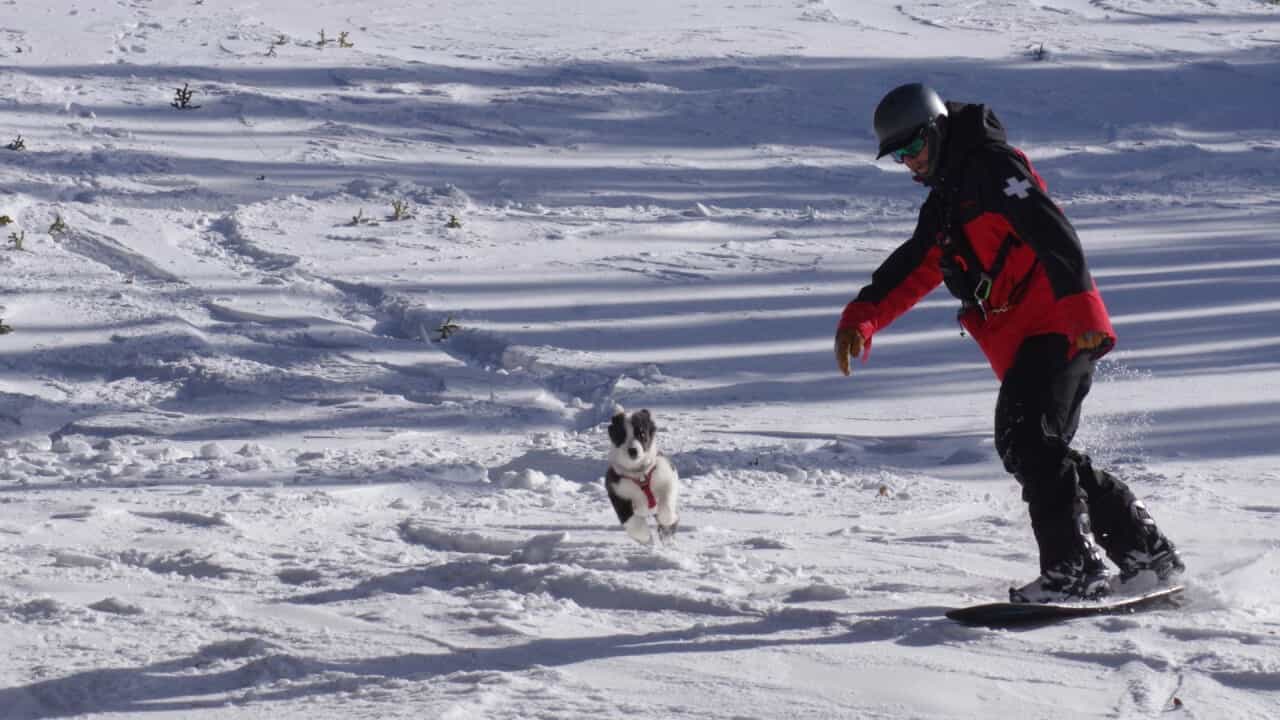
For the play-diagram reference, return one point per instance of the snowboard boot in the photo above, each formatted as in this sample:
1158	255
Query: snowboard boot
1146	552
1071	563
1070	581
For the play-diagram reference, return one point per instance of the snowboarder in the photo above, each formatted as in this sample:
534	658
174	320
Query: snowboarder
989	231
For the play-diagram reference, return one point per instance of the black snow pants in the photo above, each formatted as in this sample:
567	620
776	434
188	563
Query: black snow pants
1037	414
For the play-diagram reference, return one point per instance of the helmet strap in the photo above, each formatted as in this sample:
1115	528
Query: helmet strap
936	132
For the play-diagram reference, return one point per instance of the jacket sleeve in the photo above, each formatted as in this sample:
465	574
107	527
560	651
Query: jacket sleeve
908	274
1013	188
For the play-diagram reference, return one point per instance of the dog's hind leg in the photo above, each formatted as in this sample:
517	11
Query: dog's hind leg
668	532
667	511
668	520
668	498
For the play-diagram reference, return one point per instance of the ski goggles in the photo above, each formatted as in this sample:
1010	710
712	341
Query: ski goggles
909	150
912	149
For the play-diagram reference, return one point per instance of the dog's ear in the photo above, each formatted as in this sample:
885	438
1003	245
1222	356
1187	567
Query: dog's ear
618	429
642	422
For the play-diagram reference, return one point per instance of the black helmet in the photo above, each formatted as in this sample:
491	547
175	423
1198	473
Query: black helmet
904	112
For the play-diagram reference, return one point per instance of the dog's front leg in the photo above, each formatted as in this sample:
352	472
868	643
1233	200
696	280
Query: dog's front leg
632	514
637	526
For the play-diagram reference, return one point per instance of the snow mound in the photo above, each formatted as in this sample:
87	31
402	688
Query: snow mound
71	559
767	543
116	606
817	592
425	534
38	610
530	479
298	576
461	473
187	563
193	519
236	649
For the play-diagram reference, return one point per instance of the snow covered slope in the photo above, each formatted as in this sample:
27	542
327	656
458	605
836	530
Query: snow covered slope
302	411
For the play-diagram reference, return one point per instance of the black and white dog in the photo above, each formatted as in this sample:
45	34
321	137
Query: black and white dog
640	481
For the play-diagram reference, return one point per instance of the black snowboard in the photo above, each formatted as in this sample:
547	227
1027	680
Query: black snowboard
998	615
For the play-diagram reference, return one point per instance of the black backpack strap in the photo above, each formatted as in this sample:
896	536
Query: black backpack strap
982	278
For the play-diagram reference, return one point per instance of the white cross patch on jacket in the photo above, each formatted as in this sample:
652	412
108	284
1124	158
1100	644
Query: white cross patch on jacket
1017	187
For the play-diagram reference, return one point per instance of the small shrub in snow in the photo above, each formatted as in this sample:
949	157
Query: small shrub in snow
323	40
5	220
18	144
360	219
447	328
182	98
343	42
454	223
17	238
400	209
58	226
5	329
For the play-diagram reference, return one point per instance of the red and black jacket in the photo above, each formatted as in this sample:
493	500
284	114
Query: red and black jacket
990	232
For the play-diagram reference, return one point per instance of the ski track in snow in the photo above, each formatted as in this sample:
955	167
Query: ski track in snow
270	446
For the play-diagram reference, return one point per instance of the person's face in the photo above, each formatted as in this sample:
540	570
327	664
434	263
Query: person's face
918	164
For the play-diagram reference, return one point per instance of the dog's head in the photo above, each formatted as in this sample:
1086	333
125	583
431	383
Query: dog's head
632	435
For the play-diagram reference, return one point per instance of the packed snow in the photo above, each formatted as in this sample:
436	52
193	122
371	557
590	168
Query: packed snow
303	410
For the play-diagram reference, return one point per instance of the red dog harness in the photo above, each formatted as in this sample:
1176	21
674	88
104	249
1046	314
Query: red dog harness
644	484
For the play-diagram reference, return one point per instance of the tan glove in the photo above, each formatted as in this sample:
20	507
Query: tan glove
1091	340
849	344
